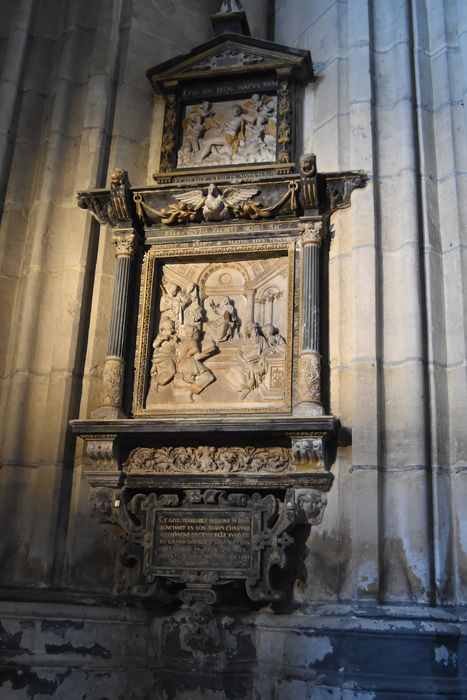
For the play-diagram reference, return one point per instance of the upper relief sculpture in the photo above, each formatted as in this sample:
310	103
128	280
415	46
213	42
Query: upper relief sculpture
224	133
218	348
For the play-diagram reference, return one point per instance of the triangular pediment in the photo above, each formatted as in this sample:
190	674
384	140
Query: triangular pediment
232	54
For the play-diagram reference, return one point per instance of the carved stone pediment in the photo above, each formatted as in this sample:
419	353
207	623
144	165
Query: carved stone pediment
227	53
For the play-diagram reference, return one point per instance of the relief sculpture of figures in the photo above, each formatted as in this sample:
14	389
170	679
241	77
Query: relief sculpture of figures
192	375
248	373
221	133
214	348
223	328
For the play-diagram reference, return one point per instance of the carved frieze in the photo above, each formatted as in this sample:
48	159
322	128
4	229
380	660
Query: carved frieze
208	459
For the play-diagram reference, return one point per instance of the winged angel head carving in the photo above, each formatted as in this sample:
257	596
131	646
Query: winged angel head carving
213	205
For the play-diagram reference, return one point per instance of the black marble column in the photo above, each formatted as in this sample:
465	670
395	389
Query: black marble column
114	365
309	361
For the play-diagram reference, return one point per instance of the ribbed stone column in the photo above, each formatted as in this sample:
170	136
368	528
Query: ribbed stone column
309	361
114	365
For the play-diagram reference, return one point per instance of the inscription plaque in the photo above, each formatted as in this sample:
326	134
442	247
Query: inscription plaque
216	539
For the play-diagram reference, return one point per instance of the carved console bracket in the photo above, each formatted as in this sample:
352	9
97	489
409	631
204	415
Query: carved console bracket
113	206
339	188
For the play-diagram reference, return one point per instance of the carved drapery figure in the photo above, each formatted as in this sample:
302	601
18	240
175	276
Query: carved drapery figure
246	375
224	327
192	375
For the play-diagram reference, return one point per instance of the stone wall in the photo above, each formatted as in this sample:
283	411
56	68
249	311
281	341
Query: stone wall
389	100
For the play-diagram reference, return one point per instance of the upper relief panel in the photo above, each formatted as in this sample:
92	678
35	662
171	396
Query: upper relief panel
230	106
229	132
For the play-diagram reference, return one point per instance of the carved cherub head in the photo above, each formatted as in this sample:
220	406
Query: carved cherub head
237	110
312	504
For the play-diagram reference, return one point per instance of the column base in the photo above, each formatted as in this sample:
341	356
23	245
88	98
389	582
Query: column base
109	412
309	408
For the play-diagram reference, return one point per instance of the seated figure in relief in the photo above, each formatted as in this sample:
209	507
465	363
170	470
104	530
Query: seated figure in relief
223	328
246	375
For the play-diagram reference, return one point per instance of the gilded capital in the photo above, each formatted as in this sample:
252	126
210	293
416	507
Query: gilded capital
125	245
311	232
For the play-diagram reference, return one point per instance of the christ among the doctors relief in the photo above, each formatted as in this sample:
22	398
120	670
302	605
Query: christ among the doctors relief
222	336
223	133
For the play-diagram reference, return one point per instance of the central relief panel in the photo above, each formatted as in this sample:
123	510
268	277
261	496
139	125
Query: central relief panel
215	331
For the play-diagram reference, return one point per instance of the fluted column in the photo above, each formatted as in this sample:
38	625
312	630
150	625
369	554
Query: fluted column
114	365
309	361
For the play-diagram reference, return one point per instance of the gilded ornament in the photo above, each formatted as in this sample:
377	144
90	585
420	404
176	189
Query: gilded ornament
168	139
